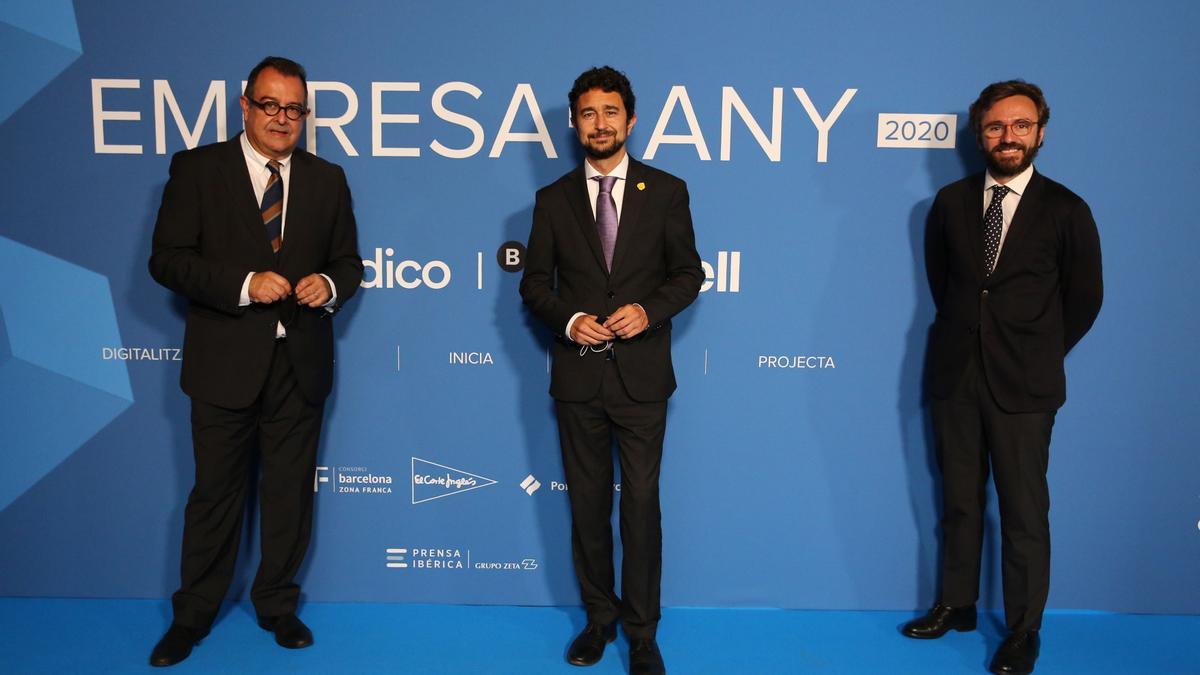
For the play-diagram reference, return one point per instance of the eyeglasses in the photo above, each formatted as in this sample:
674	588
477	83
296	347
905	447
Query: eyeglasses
271	109
1019	128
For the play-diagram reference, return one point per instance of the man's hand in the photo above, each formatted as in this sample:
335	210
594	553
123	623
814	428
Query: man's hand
627	321
313	291
586	331
268	287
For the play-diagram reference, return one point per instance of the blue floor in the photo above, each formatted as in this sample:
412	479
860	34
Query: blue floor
115	636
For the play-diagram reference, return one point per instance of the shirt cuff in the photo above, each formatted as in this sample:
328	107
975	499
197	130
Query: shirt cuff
329	306
244	299
572	323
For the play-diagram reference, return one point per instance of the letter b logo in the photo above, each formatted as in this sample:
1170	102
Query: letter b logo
511	256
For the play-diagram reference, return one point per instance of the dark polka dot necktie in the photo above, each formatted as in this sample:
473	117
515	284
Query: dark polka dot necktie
993	223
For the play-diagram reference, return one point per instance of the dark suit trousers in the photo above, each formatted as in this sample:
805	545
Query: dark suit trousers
970	430
586	432
281	429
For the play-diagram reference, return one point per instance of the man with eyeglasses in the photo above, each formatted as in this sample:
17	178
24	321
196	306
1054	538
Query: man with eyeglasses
611	258
260	238
1013	260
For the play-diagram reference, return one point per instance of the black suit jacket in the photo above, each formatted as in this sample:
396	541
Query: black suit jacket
655	264
1042	296
210	235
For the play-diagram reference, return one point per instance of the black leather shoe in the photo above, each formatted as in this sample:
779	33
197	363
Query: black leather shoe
1017	653
176	645
589	645
644	658
289	630
939	621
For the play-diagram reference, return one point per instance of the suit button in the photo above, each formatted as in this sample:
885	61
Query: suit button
611	294
984	294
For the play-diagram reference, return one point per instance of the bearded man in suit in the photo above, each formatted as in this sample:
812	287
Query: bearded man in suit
1013	260
611	259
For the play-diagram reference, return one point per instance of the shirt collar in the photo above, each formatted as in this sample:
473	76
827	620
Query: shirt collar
255	158
1018	183
621	169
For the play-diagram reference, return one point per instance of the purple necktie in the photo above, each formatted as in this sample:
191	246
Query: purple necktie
606	217
993	222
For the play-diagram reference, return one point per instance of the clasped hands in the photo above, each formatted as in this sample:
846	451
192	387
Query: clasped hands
626	322
268	287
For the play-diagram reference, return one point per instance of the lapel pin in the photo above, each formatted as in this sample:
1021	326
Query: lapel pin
641	186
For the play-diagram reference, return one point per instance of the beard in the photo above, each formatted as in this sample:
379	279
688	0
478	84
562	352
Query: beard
1009	167
603	153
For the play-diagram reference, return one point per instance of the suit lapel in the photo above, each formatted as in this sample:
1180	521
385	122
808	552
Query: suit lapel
241	192
577	197
1024	218
631	209
973	207
296	195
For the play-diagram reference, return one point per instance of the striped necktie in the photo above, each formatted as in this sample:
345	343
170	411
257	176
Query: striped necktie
272	206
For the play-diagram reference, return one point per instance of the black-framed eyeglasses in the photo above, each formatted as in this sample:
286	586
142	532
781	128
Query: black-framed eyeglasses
1019	128
271	108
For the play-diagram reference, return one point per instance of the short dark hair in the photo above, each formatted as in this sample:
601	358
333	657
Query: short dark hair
284	66
606	79
1001	90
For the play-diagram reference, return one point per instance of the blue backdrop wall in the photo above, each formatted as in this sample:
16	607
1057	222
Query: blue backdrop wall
798	468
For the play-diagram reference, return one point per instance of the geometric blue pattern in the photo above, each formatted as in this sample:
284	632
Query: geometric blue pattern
58	390
38	40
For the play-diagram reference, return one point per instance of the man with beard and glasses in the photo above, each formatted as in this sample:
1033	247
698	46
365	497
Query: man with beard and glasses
1013	260
611	258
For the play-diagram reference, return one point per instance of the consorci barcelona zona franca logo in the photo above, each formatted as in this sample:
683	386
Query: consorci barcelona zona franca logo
347	479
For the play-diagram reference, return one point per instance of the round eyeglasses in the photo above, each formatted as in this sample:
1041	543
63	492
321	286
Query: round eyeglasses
1019	128
271	109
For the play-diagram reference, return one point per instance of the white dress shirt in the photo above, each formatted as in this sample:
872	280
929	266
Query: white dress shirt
618	195
256	164
618	191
